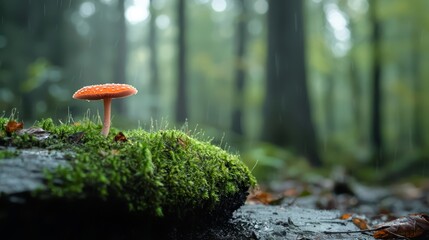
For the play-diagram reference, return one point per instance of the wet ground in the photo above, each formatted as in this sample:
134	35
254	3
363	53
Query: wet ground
283	222
281	217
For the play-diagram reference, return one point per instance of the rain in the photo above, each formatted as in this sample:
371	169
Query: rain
322	101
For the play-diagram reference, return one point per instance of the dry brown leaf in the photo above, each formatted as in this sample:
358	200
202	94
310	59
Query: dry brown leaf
291	192
411	226
13	126
360	223
346	216
262	197
120	137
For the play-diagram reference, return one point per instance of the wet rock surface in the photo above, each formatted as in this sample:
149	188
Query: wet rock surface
22	174
283	222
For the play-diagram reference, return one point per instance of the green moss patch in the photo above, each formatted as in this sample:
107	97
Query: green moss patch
7	154
160	173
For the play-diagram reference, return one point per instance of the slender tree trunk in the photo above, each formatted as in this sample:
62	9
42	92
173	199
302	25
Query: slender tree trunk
121	55
418	126
376	123
331	120
287	114
240	69
33	24
356	90
154	60
181	103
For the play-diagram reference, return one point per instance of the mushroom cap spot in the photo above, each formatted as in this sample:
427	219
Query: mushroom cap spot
102	91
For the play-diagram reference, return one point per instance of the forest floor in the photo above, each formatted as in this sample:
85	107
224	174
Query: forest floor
329	210
289	210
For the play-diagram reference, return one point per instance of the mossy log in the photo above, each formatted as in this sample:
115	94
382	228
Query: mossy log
69	175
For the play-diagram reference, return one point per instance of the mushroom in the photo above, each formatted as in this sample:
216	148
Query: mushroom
106	92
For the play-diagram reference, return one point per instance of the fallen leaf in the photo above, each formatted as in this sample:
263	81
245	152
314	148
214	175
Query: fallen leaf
411	226
76	137
13	126
291	192
38	133
262	197
346	216
360	223
120	137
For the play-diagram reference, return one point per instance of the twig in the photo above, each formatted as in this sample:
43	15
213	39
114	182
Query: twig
358	231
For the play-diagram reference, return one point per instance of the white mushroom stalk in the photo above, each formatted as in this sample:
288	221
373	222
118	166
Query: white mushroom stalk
106	122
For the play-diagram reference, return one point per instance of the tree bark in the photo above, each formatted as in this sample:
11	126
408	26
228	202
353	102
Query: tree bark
240	69
154	70
356	89
418	126
287	114
121	55
376	129
181	103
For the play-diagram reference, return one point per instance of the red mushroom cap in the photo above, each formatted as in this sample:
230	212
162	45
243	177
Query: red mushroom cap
102	91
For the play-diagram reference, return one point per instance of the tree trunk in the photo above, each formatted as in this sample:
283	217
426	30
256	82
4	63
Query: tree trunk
33	25
181	103
287	114
121	56
240	69
376	130
356	89
418	126
154	61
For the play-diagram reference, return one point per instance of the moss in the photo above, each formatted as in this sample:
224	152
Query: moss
3	122
164	172
7	154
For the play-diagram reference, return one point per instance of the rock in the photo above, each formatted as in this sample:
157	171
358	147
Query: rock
72	194
24	173
282	222
25	214
158	183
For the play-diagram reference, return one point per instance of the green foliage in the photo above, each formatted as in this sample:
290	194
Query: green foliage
271	163
3	122
342	84
7	154
162	172
37	74
40	80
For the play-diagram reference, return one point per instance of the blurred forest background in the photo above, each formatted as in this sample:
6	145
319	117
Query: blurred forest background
292	85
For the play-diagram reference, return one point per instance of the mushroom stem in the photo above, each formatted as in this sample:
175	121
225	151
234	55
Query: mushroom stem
106	122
